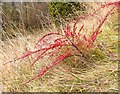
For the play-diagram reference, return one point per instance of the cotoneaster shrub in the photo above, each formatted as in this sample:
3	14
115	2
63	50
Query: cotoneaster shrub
77	39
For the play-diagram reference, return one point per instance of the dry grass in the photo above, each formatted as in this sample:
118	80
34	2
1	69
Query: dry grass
100	76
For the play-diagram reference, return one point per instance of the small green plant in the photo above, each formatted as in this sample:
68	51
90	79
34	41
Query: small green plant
60	11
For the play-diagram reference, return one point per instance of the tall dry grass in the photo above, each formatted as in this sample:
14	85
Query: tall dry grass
69	76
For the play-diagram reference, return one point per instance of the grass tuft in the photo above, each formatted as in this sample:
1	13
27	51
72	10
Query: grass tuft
88	61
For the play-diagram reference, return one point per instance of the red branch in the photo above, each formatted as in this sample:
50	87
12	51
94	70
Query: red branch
42	72
49	46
